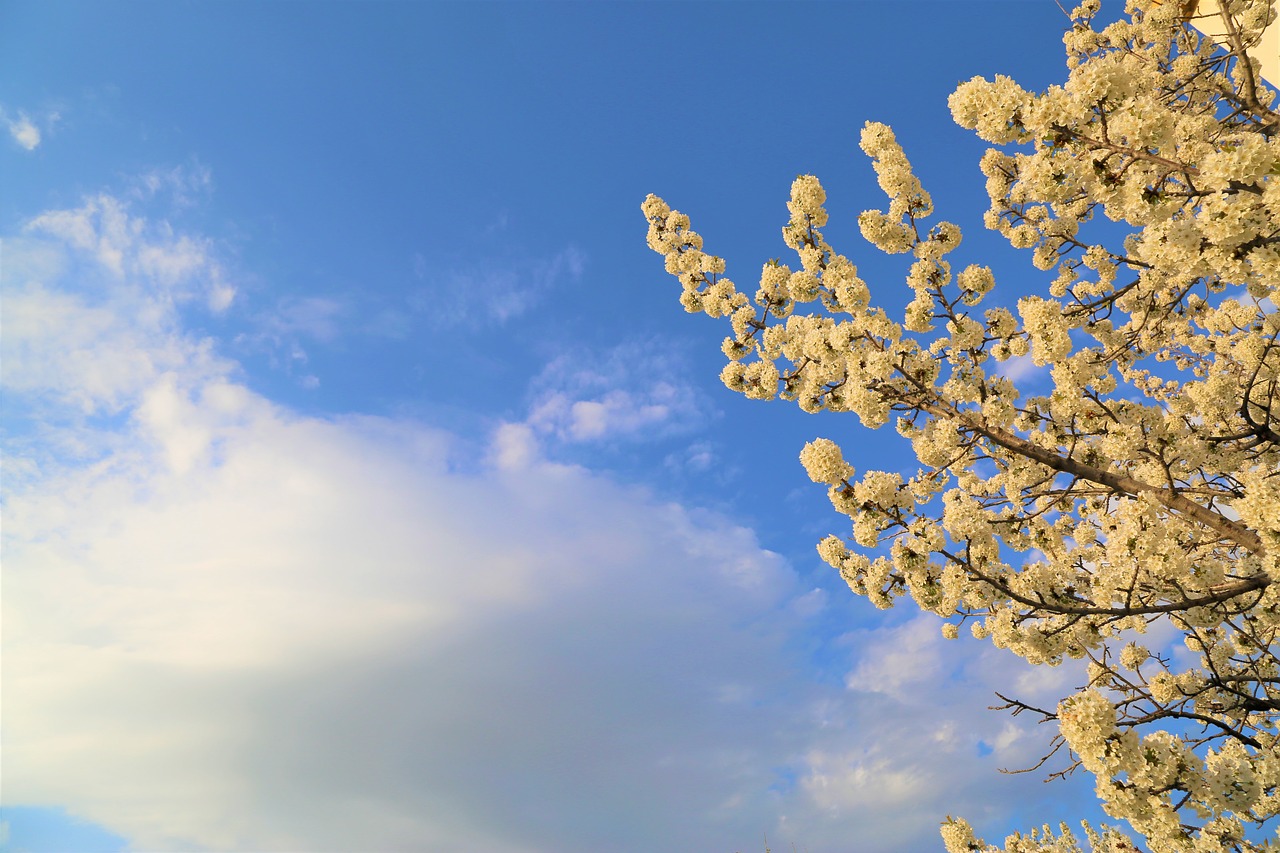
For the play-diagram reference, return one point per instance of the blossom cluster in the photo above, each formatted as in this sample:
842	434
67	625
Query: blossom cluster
1144	485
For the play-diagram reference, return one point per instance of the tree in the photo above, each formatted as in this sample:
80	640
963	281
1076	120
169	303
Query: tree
1144	489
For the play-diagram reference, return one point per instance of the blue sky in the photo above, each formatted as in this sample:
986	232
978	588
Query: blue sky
366	488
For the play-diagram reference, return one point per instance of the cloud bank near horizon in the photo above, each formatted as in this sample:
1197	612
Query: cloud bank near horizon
233	626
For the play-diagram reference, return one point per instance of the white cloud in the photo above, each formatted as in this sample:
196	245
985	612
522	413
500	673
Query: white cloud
103	229
261	631
697	458
74	346
613	413
514	447
900	661
237	627
585	396
25	131
923	720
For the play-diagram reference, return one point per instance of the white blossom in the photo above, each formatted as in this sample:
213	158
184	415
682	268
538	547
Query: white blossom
824	462
1142	486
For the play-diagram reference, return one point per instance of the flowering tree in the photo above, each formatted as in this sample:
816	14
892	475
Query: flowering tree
1144	489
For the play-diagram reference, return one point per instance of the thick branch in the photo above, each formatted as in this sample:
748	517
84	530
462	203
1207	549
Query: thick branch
1224	592
1237	533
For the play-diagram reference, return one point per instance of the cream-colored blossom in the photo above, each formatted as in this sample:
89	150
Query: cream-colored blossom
824	462
1131	488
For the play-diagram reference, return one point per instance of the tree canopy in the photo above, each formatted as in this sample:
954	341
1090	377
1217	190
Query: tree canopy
1137	500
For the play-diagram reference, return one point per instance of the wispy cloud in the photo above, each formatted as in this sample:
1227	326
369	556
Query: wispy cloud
622	393
184	186
490	293
73	274
697	457
287	330
315	317
140	250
